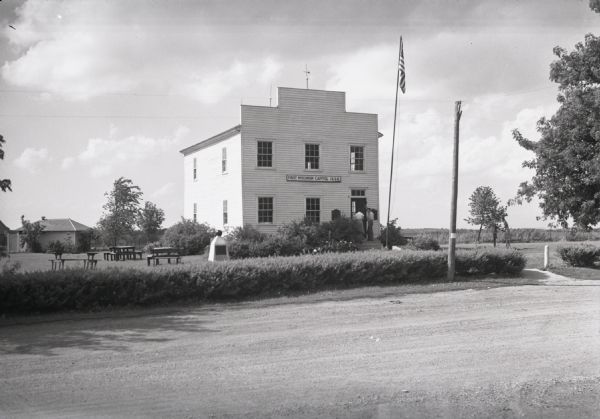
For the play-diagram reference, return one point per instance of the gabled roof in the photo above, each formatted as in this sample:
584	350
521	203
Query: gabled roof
4	228
212	140
60	224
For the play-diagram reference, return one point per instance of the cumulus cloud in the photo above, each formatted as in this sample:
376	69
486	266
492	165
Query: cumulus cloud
81	55
103	155
32	158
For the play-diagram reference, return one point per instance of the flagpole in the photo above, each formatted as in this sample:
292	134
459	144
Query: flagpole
387	230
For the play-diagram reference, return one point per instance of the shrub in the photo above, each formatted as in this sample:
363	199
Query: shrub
271	245
424	243
498	261
8	267
307	231
56	247
341	229
78	289
246	232
150	246
189	237
583	255
85	239
395	235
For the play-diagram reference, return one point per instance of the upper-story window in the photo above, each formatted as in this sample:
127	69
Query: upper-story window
225	213
357	158
195	168
264	154
195	212
311	156
224	160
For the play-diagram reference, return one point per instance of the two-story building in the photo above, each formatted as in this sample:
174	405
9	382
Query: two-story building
306	157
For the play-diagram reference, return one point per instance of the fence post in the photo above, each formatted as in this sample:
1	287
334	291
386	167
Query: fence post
546	257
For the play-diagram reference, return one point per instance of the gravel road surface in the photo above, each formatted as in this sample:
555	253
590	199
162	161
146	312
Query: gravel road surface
527	351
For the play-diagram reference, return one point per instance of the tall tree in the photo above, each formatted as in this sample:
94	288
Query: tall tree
5	184
567	156
150	220
120	211
30	235
485	211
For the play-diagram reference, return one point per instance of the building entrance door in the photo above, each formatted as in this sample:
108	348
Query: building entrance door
358	204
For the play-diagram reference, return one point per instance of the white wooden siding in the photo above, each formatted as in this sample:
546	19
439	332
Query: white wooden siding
212	187
306	116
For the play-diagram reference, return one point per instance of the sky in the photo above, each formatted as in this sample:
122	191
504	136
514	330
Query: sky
94	90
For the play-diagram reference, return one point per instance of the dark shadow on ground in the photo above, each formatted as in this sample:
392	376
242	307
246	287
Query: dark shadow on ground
109	331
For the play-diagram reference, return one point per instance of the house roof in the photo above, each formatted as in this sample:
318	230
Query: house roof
212	140
4	228
60	224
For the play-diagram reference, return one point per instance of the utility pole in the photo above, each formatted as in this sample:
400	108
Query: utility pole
452	242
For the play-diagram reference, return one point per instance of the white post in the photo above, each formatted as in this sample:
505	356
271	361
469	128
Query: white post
546	257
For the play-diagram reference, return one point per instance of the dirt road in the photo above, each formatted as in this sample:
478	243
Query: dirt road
529	351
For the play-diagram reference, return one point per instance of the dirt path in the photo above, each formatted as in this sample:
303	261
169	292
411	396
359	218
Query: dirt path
527	351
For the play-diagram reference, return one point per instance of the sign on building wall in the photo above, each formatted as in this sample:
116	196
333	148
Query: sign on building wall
313	178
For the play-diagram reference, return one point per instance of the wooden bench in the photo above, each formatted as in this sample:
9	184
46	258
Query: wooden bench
159	253
59	263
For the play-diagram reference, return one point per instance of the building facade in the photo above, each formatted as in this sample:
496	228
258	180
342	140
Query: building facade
64	230
307	157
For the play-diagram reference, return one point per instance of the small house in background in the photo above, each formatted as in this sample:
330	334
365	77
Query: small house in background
4	239
65	230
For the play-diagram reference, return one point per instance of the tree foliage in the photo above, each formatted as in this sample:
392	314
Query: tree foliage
189	237
485	211
30	235
567	156
5	184
395	235
150	220
121	211
595	5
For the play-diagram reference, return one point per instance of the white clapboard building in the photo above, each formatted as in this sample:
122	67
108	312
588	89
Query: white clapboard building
306	157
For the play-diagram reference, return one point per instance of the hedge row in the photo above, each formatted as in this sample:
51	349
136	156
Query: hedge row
75	289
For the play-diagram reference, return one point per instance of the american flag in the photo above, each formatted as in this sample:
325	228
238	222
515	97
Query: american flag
401	71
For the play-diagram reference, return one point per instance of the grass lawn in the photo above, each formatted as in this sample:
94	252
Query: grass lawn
534	252
41	262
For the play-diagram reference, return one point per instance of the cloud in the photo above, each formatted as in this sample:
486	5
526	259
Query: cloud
103	155
31	159
81	55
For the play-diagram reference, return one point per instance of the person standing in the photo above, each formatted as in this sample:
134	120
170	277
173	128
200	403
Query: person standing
370	219
360	217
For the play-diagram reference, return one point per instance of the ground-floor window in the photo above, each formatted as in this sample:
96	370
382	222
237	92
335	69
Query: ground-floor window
265	209
313	209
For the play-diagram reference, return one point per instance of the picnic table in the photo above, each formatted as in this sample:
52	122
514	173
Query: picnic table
89	262
122	253
164	252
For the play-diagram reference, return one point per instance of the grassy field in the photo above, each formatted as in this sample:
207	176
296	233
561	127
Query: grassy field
534	252
41	262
